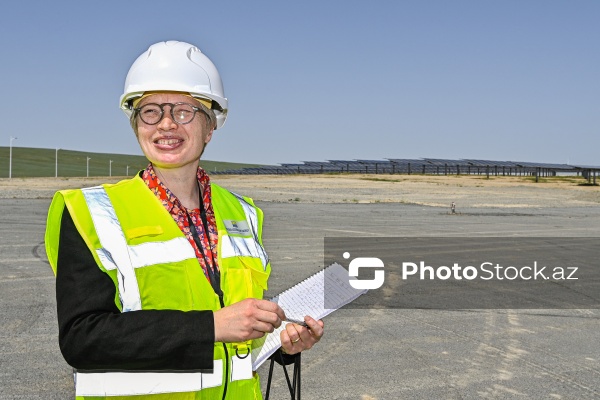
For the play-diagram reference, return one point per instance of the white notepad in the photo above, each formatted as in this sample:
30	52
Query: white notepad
307	298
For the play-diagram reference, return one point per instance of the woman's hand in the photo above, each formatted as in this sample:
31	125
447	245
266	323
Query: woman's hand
248	319
296	338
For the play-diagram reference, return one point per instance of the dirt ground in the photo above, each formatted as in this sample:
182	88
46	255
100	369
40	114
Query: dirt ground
437	191
434	354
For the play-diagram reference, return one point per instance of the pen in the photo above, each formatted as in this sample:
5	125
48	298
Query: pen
296	321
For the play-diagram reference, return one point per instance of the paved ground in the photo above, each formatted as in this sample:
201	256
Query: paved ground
366	354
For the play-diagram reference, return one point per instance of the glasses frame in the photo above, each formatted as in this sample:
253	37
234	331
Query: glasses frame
172	106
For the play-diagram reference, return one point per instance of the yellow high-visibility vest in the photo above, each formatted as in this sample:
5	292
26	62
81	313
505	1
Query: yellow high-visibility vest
132	235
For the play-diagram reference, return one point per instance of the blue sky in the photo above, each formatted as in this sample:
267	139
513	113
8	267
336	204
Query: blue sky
318	80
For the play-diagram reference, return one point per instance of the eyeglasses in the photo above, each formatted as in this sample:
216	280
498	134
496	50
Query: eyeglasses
181	113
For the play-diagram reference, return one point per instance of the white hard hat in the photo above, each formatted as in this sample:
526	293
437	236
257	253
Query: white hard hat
179	67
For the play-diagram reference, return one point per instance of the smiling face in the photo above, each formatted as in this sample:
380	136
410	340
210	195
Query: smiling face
171	145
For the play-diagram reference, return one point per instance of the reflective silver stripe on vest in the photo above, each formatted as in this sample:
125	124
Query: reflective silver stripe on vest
234	246
145	254
145	383
114	244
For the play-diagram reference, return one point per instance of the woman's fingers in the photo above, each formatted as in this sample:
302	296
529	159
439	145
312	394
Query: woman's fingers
247	319
296	338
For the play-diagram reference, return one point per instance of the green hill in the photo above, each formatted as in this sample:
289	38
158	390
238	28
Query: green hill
32	162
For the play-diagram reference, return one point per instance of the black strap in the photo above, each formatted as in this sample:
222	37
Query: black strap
294	386
214	275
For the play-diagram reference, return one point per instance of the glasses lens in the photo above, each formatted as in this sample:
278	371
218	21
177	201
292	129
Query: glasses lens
183	113
150	113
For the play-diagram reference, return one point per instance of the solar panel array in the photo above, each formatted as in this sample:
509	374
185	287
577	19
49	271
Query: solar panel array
413	166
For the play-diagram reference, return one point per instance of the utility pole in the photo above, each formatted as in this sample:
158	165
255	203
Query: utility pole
87	174
109	167
10	158
56	163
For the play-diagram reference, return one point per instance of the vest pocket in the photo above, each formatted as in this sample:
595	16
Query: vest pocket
239	284
170	286
246	279
259	278
140	231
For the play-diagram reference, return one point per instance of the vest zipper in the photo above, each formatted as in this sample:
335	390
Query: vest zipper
226	352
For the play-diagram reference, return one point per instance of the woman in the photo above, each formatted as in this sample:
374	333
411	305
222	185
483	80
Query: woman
159	277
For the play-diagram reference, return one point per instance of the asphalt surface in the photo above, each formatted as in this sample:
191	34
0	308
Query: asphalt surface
366	353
